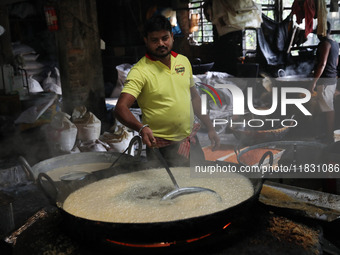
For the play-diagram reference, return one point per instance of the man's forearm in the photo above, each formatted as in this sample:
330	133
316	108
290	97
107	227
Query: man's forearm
125	116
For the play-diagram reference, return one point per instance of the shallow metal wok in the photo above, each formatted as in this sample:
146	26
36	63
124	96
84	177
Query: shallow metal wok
300	81
267	133
255	136
136	233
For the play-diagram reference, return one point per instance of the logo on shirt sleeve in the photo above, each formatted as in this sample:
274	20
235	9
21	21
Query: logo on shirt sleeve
180	69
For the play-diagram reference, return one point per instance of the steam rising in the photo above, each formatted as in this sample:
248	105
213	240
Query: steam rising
304	68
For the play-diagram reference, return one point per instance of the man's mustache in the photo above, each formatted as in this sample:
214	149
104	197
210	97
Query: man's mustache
162	47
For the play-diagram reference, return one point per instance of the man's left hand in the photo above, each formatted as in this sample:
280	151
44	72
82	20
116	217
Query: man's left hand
214	138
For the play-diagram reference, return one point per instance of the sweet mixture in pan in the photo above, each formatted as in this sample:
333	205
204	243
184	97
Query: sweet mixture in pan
135	197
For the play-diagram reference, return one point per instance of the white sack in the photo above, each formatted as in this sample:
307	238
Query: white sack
34	86
50	84
61	133
88	124
118	140
22	49
123	71
95	145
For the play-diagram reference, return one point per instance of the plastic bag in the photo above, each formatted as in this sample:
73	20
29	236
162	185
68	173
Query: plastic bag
57	75
34	86
123	71
50	84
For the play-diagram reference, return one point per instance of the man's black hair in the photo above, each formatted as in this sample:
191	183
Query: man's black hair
157	23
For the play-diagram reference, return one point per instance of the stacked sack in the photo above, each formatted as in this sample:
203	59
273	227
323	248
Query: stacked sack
87	123
69	134
61	133
81	133
117	138
26	58
52	84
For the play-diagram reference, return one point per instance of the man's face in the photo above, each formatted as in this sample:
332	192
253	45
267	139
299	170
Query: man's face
159	43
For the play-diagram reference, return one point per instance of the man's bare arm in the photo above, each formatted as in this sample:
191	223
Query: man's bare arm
125	116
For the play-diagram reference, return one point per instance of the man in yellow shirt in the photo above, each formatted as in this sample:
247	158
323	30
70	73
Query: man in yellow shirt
163	85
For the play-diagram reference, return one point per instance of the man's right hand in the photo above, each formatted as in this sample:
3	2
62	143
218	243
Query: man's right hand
148	138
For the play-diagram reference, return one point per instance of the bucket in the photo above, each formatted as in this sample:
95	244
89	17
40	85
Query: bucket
337	135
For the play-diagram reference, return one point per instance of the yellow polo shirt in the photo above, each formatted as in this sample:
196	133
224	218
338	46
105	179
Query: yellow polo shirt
163	95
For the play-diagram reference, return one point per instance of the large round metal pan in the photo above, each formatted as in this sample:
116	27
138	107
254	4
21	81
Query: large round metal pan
159	232
253	136
299	81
